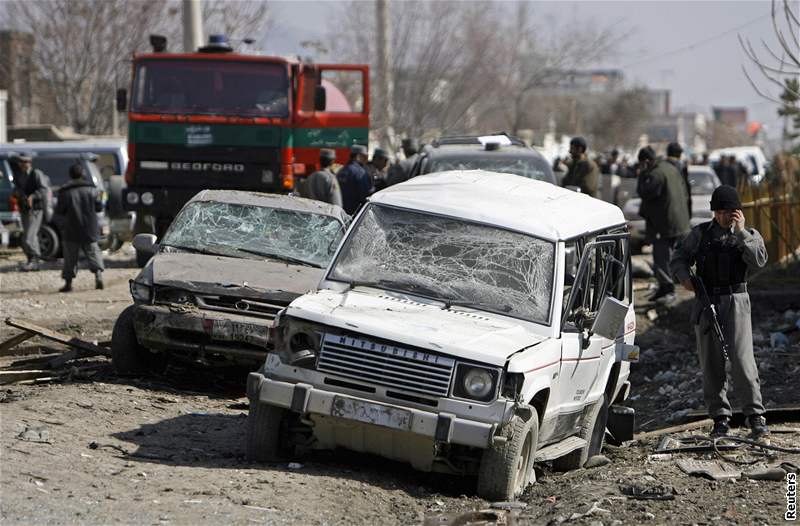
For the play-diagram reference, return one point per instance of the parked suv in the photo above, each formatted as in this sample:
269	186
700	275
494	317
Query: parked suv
494	153
450	331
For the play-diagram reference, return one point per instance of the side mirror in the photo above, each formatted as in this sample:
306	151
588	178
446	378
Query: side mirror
320	99
610	318
145	243
122	100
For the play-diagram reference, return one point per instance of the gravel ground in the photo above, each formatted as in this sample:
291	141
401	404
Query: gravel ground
168	450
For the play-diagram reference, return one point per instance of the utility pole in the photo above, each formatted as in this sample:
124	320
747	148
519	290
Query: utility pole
192	26
383	74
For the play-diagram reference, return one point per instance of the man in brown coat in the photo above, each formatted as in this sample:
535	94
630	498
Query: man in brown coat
583	172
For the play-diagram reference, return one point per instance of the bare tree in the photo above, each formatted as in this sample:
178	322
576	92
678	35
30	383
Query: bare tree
621	120
237	20
777	64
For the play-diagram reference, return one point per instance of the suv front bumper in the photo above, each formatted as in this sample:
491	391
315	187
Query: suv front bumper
305	398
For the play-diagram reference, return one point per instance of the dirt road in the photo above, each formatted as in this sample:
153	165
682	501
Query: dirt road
169	450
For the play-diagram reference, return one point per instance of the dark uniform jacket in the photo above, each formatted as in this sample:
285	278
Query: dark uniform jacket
400	171
684	171
723	258
355	185
584	174
33	183
78	204
664	197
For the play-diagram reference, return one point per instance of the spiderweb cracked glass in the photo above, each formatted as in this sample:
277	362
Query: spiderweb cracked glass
494	269
226	226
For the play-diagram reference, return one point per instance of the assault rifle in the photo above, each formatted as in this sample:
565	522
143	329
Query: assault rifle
707	305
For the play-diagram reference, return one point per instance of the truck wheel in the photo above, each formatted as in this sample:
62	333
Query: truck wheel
49	243
127	356
264	432
594	432
507	467
114	206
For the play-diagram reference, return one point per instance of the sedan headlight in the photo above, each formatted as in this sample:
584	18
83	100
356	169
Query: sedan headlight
475	383
141	291
148	199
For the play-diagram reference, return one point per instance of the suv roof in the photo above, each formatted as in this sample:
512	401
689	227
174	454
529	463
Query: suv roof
509	201
499	152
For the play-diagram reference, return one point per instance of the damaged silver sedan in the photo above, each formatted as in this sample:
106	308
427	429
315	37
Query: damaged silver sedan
227	264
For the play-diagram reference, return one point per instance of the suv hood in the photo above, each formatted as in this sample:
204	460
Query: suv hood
228	275
462	333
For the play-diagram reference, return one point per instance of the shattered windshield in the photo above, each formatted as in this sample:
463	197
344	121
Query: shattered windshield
458	262
531	168
254	231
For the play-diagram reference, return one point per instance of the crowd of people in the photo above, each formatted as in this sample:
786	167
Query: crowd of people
351	184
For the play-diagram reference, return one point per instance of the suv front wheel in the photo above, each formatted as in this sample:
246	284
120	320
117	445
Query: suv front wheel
507	466
264	432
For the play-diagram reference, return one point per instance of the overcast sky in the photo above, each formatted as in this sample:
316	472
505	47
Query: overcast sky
688	47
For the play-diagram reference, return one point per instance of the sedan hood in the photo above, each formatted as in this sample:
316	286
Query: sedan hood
462	333
227	275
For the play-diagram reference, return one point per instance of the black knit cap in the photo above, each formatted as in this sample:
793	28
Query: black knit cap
674	150
580	142
725	198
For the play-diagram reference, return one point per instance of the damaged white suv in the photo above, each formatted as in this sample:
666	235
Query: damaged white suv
471	322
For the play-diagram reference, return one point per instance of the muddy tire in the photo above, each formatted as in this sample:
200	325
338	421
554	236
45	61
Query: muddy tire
507	467
49	242
594	432
127	356
264	432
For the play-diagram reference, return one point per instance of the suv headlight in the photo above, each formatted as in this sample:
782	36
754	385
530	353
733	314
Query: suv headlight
141	291
133	198
475	383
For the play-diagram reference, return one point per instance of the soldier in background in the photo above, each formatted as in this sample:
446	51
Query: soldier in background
378	169
32	190
78	203
666	218
674	152
322	184
354	180
583	172
401	171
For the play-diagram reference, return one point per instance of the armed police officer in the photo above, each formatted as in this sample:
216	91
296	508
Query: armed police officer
32	190
724	251
354	180
582	172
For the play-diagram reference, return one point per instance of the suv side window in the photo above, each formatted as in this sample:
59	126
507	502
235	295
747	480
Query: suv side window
602	270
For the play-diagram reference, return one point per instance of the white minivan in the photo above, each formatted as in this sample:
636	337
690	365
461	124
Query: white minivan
470	322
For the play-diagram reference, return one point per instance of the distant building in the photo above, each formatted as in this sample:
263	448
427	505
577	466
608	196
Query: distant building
735	117
590	81
658	102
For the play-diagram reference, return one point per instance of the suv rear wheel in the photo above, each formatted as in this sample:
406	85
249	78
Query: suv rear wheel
49	243
507	467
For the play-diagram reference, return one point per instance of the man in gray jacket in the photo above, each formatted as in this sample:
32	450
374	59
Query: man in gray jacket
322	184
724	251
32	189
666	215
78	203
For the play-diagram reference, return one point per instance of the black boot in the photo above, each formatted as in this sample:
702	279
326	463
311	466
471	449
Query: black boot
98	280
758	426
67	286
721	426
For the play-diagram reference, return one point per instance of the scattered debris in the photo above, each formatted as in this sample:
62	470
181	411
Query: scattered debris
35	434
588	511
516	505
713	469
648	491
766	473
597	461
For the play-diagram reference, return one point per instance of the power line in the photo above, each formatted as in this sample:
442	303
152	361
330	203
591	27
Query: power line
696	44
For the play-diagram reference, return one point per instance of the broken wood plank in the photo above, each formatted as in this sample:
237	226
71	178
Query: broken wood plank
9	344
86	348
674	429
10	377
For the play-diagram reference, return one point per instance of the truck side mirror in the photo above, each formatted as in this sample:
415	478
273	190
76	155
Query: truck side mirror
610	318
320	98
122	99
